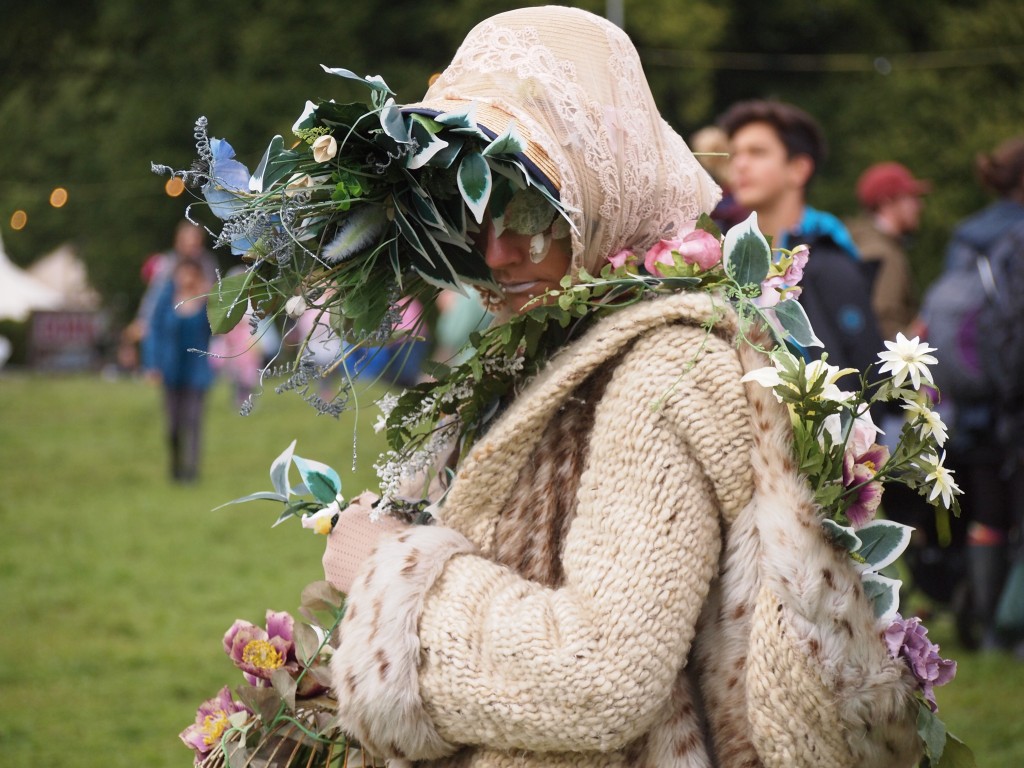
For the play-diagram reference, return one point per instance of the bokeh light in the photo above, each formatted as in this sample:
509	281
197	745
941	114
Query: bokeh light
174	186
58	197
19	219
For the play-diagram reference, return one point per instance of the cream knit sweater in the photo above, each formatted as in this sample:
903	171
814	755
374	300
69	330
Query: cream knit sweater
641	655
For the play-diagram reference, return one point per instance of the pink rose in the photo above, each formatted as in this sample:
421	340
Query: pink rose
701	248
620	259
660	253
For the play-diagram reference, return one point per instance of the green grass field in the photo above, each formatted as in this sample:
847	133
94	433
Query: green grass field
117	585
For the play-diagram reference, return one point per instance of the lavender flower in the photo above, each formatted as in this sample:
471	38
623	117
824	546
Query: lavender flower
909	638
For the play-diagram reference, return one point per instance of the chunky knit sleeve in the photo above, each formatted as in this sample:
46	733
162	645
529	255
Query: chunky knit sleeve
485	657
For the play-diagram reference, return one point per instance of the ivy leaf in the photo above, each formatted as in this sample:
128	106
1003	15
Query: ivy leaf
279	471
747	255
322	481
393	122
882	542
374	81
841	535
509	143
794	320
429	145
475	184
884	594
274	166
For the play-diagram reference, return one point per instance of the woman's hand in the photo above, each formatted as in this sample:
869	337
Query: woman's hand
353	540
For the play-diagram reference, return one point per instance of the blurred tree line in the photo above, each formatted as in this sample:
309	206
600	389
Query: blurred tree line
94	90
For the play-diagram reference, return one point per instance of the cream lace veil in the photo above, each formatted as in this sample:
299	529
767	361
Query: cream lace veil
574	86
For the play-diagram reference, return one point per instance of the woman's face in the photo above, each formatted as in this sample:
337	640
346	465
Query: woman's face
520	278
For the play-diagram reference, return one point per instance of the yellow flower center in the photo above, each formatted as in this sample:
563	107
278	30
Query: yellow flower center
870	465
262	655
214	726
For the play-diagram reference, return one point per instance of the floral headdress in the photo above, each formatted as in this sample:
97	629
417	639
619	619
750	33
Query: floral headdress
374	204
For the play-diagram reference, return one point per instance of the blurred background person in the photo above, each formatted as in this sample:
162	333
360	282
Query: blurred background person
891	201
710	145
157	272
173	353
960	319
775	150
241	354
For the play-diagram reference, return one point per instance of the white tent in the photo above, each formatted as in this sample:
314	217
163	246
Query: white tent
63	271
20	293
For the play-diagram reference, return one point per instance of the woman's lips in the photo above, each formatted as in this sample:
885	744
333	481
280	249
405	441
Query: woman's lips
518	287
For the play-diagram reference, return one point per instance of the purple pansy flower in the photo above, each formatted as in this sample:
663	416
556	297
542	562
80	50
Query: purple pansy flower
909	638
858	472
212	719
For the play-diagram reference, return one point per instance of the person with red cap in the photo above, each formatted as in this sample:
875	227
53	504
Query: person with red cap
892	200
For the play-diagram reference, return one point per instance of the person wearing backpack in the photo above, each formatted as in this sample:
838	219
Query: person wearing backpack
971	319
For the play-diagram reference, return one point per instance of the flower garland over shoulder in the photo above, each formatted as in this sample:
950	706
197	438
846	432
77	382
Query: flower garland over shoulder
374	206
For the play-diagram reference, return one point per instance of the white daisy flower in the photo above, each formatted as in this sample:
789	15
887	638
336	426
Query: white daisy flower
907	357
927	421
941	477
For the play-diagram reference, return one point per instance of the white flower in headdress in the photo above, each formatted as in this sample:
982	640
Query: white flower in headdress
324	148
907	357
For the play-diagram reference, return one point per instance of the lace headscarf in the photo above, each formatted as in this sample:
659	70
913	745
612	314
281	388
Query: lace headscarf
574	86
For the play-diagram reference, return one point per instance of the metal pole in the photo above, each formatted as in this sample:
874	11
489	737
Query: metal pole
615	12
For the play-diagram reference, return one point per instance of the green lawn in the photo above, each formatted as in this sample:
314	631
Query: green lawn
117	585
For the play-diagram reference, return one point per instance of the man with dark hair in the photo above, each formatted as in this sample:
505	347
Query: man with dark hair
776	150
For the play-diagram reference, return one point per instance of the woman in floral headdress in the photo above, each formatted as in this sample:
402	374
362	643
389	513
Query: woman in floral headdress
627	568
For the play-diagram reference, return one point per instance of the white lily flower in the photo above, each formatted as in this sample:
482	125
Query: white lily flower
324	148
767	377
816	369
907	357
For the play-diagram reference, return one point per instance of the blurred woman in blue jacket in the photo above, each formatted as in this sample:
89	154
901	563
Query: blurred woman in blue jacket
173	353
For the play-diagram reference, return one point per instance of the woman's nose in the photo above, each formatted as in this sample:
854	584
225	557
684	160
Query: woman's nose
501	252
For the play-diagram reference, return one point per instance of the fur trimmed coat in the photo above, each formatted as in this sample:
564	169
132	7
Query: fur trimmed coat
628	572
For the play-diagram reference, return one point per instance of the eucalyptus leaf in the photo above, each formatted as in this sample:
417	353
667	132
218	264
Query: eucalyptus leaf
793	318
474	180
320	595
322	481
307	642
882	542
747	255
884	594
284	684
